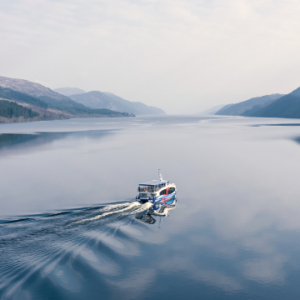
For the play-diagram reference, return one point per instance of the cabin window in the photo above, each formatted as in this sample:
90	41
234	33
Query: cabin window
171	190
163	192
146	189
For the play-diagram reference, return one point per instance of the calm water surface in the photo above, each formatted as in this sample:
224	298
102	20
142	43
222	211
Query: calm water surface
70	227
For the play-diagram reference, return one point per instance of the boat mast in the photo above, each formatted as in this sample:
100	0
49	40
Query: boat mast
160	176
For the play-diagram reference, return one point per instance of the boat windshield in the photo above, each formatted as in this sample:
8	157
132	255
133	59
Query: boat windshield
151	189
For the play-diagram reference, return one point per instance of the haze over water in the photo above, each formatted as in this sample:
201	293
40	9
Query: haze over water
70	227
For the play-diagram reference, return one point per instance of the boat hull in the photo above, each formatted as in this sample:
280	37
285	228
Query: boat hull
159	199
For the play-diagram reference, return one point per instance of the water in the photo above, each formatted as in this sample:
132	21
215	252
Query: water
70	227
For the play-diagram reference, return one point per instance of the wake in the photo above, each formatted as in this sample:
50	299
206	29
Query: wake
44	245
123	209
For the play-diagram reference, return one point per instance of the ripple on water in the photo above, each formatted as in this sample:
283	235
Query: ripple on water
60	247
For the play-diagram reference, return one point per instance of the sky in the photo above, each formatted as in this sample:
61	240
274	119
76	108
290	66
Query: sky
183	56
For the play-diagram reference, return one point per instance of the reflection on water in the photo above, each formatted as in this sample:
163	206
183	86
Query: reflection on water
70	228
13	141
55	250
277	124
161	210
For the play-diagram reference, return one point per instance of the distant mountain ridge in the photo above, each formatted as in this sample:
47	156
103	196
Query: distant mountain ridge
288	106
273	106
45	102
241	108
97	99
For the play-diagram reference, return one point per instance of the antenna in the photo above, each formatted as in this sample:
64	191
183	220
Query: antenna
160	176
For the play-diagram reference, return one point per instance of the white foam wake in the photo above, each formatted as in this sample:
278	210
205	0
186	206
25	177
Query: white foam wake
126	209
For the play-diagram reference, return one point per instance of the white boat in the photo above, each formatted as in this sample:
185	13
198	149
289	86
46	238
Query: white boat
157	191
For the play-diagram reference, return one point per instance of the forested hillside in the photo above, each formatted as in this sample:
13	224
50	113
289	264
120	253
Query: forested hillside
12	110
10	94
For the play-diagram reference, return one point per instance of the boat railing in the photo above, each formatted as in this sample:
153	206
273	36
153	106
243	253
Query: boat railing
148	190
151	189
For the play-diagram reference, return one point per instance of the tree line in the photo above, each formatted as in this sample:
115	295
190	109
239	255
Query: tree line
13	110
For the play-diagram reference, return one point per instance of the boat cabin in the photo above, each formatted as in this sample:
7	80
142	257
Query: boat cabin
152	186
154	189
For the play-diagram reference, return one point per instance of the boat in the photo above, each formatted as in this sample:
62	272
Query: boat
156	191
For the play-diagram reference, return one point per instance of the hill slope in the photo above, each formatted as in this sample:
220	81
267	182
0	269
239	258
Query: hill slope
10	94
287	106
96	99
20	111
140	108
240	108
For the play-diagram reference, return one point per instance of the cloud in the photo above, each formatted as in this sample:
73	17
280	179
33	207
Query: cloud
188	268
134	285
179	55
265	270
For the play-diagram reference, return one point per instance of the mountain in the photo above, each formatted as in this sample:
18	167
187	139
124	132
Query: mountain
96	99
52	99
69	91
239	109
287	106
